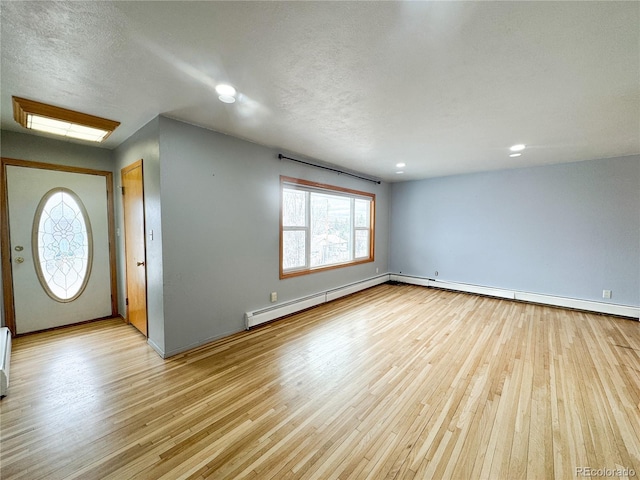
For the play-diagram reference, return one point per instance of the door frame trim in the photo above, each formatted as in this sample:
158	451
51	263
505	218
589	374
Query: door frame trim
124	170
7	274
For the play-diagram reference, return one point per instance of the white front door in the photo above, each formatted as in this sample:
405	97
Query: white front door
51	287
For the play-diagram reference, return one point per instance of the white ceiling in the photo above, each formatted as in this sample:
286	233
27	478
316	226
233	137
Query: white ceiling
445	87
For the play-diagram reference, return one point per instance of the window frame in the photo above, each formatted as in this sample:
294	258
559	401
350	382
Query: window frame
310	187
37	247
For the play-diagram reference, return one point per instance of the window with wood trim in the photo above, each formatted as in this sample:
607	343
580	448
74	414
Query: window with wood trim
323	227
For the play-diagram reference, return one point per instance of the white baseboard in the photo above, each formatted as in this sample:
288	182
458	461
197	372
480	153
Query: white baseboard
356	287
156	347
587	305
423	282
258	317
197	344
5	359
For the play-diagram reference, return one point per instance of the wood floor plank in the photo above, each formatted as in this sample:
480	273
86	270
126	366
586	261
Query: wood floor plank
395	382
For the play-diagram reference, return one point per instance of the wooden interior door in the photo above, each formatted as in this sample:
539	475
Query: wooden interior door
134	244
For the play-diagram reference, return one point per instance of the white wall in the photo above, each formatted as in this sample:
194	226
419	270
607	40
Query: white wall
569	230
21	146
220	232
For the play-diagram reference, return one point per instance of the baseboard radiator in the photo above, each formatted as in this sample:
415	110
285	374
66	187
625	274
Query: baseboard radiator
258	317
5	357
564	302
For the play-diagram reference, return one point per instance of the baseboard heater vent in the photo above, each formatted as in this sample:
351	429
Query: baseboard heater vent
564	302
5	357
264	315
267	314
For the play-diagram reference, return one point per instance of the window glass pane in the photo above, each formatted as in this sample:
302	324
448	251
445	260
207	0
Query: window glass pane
293	249
294	208
362	210
323	226
330	229
362	243
62	243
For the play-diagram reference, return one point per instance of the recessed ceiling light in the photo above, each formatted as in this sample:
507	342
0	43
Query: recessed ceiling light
401	165
515	154
400	172
517	148
226	98
224	89
226	93
60	121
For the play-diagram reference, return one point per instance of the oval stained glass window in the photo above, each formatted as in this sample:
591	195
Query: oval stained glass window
62	245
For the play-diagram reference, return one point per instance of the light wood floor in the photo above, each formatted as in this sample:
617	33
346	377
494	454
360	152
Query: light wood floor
395	382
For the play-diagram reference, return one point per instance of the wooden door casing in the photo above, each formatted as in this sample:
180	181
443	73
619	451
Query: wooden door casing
134	241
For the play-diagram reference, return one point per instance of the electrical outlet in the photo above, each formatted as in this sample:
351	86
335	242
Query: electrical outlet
606	293
274	297
377	269
436	273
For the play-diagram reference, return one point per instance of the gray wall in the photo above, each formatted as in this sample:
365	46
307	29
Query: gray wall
567	230
144	144
220	234
21	146
214	254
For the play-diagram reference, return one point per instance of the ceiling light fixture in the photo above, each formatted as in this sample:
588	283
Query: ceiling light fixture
60	121
515	155
399	172
226	98
517	148
401	165
226	93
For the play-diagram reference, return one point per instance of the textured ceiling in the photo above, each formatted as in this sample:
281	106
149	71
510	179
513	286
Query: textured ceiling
445	87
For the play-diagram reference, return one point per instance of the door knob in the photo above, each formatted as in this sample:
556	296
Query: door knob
19	259
140	264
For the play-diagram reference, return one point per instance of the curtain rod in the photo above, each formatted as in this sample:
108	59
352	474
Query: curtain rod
280	156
